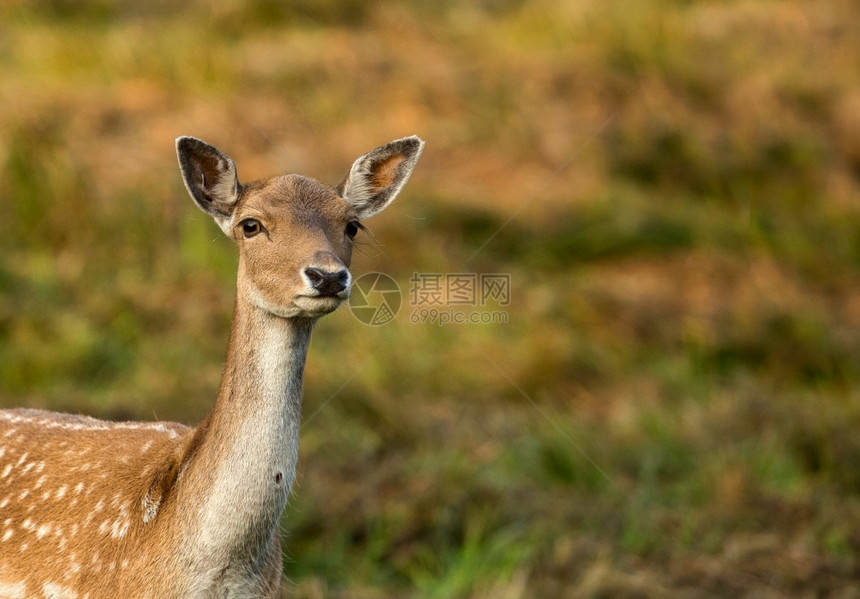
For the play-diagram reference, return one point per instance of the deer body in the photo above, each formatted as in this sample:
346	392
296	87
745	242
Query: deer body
95	509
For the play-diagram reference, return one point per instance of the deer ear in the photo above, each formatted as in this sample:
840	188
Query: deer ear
210	177
376	178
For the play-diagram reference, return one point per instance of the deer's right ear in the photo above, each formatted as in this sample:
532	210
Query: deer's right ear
210	177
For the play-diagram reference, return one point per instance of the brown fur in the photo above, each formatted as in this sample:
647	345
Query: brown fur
386	171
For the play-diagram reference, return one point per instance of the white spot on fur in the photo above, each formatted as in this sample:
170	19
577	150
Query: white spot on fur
17	590
51	590
150	508
119	528
7	534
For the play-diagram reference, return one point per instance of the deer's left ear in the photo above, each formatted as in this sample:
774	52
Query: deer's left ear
376	178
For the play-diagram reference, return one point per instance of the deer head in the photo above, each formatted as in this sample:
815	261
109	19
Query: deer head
295	235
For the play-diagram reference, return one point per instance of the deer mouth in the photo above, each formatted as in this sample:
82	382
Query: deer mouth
318	305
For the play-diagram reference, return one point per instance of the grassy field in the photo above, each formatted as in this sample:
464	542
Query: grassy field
672	408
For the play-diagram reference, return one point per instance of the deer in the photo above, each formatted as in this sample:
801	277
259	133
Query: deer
95	509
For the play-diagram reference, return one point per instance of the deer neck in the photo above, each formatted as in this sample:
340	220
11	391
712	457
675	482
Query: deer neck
239	474
260	399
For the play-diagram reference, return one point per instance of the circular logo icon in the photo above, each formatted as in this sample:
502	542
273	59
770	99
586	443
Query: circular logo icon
375	298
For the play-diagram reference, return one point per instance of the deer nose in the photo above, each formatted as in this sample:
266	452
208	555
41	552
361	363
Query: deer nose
327	283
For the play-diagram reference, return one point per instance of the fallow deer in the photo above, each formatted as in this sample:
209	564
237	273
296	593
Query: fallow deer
91	509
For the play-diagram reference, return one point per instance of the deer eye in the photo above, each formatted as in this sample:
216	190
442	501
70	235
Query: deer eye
352	228
251	227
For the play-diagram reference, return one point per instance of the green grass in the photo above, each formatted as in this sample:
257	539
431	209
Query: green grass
672	407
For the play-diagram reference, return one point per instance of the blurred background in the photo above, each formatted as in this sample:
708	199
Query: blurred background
671	408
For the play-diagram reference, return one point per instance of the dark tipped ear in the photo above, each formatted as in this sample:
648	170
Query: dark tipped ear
210	177
376	178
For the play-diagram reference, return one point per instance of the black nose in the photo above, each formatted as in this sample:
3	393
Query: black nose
327	283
